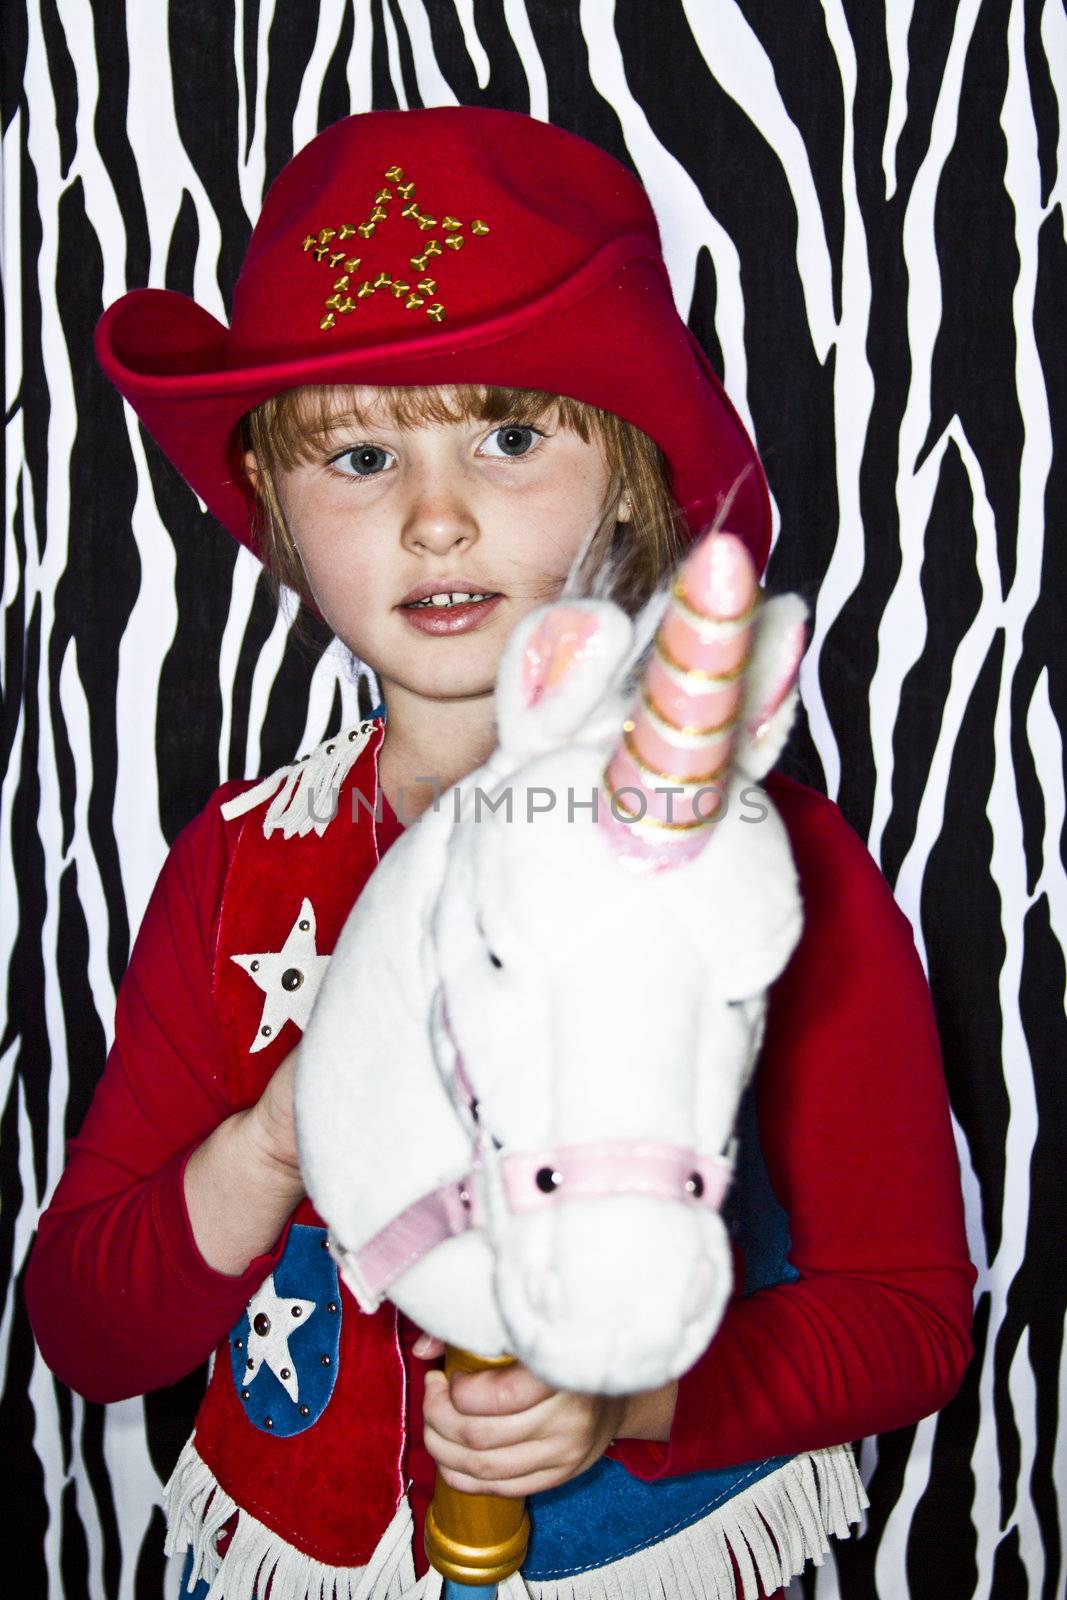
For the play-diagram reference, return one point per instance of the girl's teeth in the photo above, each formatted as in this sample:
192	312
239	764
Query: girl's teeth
450	599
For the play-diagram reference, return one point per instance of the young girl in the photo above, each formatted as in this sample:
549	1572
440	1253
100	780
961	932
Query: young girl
454	376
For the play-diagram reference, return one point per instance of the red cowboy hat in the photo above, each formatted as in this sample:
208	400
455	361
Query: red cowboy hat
453	245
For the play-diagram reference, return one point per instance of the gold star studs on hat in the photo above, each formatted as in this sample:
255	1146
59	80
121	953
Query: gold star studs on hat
344	300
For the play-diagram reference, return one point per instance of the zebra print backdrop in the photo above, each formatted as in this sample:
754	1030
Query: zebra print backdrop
863	214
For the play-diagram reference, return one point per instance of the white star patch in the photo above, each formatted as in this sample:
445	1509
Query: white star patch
271	1320
289	978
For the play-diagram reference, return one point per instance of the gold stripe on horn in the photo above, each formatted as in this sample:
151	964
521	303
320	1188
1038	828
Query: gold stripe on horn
690	730
671	777
655	822
699	673
686	605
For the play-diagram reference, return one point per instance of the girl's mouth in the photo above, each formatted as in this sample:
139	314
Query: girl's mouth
449	612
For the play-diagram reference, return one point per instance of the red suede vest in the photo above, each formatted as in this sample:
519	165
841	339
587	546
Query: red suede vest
332	1489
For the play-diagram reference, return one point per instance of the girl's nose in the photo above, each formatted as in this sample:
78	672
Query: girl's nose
439	518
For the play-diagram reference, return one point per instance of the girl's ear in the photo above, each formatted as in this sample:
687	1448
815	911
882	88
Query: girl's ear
555	667
251	466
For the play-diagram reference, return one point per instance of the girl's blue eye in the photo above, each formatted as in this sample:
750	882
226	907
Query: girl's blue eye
516	439
365	461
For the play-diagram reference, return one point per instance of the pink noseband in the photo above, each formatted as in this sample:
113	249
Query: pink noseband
533	1180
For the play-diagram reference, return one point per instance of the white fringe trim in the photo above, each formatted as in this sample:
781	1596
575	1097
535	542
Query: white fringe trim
772	1529
197	1508
306	792
431	1587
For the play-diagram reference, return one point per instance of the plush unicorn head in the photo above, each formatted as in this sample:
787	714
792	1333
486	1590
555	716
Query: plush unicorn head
518	1085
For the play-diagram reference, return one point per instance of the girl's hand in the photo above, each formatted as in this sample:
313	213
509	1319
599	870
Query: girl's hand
507	1433
243	1183
271	1123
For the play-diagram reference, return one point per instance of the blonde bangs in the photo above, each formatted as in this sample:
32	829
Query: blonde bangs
291	426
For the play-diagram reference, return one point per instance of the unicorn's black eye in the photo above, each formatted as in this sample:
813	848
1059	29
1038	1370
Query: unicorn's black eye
480	929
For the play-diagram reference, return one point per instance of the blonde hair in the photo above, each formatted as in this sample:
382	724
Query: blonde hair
628	562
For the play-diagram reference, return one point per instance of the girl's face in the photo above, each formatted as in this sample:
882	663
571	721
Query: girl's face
396	527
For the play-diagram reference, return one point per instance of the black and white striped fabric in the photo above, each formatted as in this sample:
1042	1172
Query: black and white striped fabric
862	211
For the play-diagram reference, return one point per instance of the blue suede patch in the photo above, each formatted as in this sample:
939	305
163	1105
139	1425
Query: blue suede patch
755	1218
289	1388
607	1514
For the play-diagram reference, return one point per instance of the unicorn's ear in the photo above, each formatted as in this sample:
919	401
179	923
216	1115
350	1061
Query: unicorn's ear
770	697
555	667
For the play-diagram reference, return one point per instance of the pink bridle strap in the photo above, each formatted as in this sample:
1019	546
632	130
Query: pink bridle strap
413	1233
533	1179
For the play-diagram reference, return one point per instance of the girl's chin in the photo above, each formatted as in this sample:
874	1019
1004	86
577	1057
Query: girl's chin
443	681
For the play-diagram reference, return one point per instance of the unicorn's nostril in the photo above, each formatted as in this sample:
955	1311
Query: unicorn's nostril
698	1294
543	1291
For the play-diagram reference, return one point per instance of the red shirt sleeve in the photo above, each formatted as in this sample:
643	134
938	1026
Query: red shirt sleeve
856	1134
120	1299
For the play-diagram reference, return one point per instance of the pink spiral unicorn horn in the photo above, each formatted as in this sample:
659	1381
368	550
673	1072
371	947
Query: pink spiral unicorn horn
666	778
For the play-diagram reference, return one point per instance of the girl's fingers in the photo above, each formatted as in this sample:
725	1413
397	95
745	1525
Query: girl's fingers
495	1394
478	1430
518	1452
506	1464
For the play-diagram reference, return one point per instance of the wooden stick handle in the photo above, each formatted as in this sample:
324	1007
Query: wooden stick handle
475	1539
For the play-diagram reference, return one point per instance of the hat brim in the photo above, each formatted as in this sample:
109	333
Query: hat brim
178	368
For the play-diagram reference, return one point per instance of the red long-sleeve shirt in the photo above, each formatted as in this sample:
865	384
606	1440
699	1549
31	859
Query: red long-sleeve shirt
855	1129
